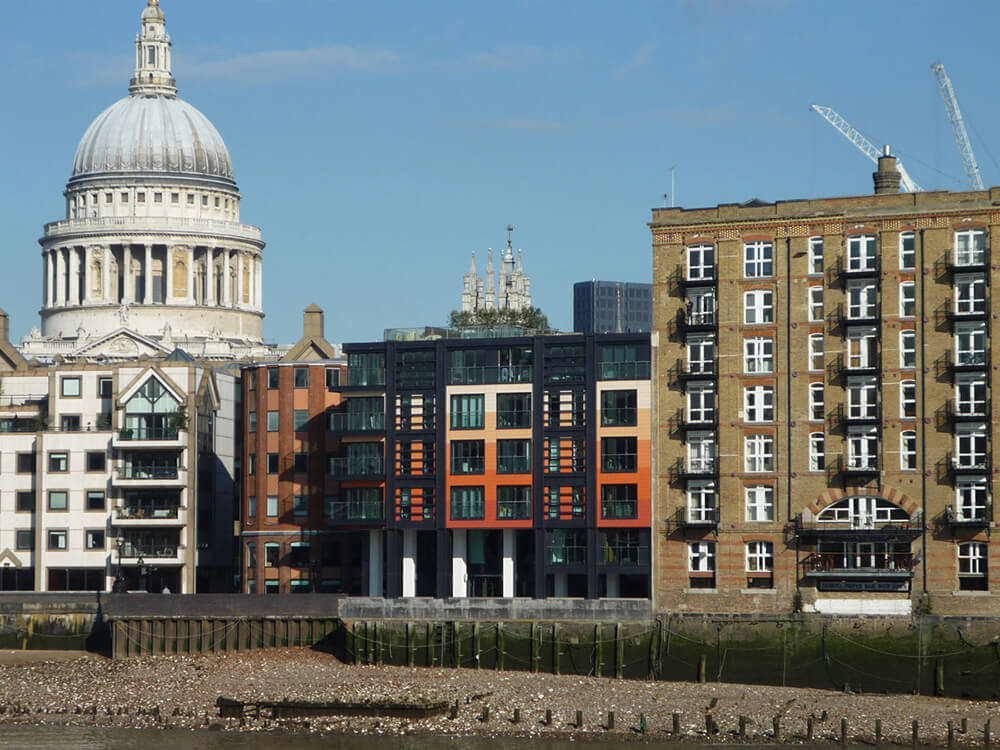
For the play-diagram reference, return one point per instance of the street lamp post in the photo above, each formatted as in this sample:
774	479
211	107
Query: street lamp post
118	587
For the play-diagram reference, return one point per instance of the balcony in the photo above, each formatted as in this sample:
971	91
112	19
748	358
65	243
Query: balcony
976	311
696	276
973	518
811	530
139	475
357	467
149	438
513	510
105	224
844	366
855	564
362	512
969	464
694	321
862	268
360	424
151	553
856	315
696	468
976	260
857	414
698	520
968	411
968	361
625	555
166	514
623	371
860	468
686	370
365	378
698	419
490	374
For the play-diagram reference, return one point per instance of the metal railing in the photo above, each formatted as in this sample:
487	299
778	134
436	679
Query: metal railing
358	511
116	223
567	554
513	510
141	512
148	433
475	375
619	462
149	551
976	516
624	416
623	371
357	466
371	422
873	563
514	419
619	509
625	555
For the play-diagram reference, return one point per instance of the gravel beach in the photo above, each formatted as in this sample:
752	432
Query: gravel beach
181	691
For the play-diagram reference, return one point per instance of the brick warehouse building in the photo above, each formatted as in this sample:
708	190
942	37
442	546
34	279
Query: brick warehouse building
824	397
453	467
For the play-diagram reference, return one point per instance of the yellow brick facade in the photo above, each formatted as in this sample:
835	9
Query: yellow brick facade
899	334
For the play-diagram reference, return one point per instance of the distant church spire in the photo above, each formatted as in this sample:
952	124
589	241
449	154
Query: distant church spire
152	56
514	290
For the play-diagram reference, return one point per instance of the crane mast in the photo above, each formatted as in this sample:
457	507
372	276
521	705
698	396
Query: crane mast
864	145
958	127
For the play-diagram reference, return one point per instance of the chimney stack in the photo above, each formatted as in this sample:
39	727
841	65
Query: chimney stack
887	178
312	322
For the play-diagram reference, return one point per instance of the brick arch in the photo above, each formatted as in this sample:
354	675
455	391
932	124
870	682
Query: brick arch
892	494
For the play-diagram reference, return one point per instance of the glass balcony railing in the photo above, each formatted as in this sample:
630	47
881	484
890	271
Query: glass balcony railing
357	466
626	554
475	375
619	509
618	417
148	433
366	376
359	511
372	422
149	550
513	510
623	371
513	465
133	471
140	512
567	554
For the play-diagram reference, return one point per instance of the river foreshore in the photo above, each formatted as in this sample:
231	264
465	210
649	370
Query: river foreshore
181	691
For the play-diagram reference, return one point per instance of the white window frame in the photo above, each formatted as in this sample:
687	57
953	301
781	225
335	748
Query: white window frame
701	402
758	355
815	304
758	259
972	446
907	399
862	398
701	262
701	557
907	251
970	294
701	354
862	348
817	451
862	448
701	451
862	252
815	256
758	453
907	299
971	498
817	408
758	503
970	394
970	344
758	307
758	403
970	247
908	450
702	501
973	557
701	307
908	349
760	557
862	300
817	348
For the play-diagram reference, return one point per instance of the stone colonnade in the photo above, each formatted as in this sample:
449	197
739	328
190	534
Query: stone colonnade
194	275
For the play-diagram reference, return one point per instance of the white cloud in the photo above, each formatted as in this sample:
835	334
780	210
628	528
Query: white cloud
510	58
642	57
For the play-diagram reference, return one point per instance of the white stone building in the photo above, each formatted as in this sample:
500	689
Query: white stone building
152	253
513	293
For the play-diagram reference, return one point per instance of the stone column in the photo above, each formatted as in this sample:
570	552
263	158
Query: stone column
375	562
227	291
147	275
50	268
168	293
459	563
260	283
109	295
83	256
239	279
74	276
209	275
251	279
60	277
129	285
190	284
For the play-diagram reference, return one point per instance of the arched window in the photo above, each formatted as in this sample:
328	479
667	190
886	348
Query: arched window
863	512
150	413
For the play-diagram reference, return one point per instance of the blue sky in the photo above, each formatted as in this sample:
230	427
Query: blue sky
378	144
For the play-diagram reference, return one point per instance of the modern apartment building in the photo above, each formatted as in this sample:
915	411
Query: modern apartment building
612	307
117	475
826	435
452	467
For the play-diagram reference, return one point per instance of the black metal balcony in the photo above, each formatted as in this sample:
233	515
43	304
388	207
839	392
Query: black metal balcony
851	564
857	414
694	520
699	370
968	311
356	423
701	419
842	269
967	411
696	276
694	321
979	463
979	518
973	261
855	469
841	531
856	315
696	468
968	361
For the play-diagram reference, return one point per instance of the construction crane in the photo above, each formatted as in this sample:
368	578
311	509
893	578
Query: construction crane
866	147
958	126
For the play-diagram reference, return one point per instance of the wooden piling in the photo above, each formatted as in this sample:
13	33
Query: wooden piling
642	723
619	651
843	732
476	650
776	725
916	733
486	713
411	646
556	648
702	668
517	716
611	720
951	735
878	734
743	727
548	717
675	725
809	729
598	651
579	719
987	739
456	644
536	634
500	646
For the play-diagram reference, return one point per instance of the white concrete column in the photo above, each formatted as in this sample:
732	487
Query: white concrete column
260	282
252	283
50	274
60	277
611	586
459	563
147	275
74	276
129	287
509	551
375	562
560	584
409	562
209	275
84	258
169	267
227	291
190	284
239	278
109	295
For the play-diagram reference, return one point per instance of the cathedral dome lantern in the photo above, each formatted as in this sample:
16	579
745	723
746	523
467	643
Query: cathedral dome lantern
152	241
